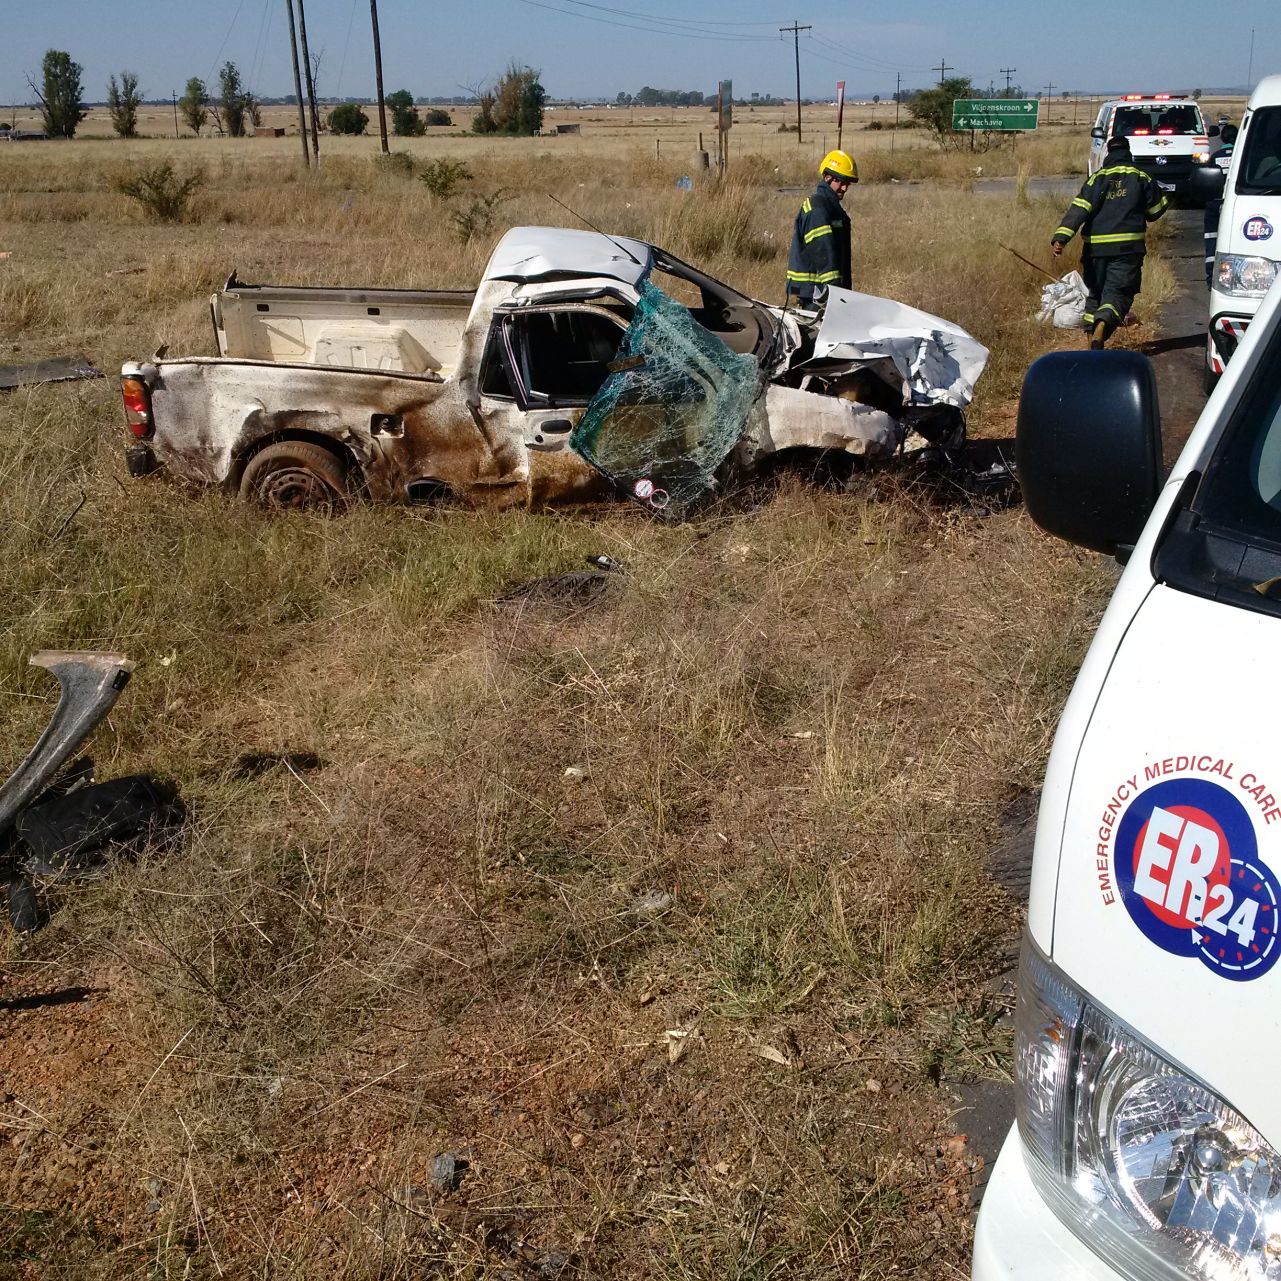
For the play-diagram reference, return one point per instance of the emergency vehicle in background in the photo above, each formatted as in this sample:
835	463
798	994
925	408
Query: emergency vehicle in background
1247	242
1168	136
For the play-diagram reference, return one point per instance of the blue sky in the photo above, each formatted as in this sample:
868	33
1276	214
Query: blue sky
436	46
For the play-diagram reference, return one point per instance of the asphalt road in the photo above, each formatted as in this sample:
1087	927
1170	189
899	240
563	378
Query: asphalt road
985	1109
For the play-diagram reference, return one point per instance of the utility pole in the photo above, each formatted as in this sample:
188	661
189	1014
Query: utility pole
796	30
898	95
942	70
302	115
311	84
378	77
1049	100
1249	75
1007	72
174	94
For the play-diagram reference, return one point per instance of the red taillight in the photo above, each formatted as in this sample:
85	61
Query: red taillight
137	398
1165	131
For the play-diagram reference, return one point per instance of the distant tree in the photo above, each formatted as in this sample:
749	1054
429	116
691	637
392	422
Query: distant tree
253	109
62	97
1067	93
123	100
194	105
405	122
519	99
348	118
876	97
435	116
933	107
483	120
1196	94
231	102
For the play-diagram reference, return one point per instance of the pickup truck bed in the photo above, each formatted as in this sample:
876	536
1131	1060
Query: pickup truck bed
410	331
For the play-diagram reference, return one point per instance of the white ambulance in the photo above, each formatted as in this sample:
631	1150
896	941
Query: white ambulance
1167	134
1247	247
1148	1027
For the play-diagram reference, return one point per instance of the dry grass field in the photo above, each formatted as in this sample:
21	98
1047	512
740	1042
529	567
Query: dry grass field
689	1012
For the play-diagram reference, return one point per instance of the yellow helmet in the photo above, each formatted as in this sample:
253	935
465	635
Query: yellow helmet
840	164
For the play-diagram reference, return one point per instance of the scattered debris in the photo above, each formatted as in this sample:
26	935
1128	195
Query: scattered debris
770	1053
653	901
127	271
574	774
56	369
446	1173
59	827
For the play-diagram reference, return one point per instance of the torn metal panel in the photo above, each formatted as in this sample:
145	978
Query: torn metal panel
89	685
56	369
938	361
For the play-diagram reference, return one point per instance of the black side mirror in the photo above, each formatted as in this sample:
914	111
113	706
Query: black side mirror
1205	183
1228	134
1212	131
1088	446
1098	133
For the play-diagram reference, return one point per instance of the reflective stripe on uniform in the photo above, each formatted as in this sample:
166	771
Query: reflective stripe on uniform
826	277
1156	210
1107	306
806	207
1114	238
825	230
1068	232
803	277
1081	204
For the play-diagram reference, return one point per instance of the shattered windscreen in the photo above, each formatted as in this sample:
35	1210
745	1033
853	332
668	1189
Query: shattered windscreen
673	407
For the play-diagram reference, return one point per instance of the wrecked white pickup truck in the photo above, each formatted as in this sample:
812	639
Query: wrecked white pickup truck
582	365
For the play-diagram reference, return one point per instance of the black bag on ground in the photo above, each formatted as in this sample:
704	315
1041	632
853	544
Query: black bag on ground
71	833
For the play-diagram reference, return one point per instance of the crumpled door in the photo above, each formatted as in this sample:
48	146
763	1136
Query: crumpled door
673	407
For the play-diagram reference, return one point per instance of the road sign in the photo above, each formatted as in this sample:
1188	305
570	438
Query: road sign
994	113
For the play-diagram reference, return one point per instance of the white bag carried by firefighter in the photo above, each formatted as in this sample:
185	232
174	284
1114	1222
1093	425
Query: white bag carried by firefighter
1063	301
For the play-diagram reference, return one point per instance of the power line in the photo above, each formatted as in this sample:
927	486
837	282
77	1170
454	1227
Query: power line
942	69
866	57
684	33
657	17
796	30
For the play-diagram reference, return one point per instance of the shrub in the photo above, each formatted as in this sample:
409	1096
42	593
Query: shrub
404	115
874	125
443	176
347	118
435	116
478	218
400	162
162	193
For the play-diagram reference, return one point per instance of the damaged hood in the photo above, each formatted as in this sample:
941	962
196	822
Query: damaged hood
937	360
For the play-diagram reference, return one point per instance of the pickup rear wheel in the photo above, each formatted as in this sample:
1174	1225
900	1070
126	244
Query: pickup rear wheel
295	475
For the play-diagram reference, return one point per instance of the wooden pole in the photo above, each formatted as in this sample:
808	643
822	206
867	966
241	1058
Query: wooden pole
307	76
378	76
302	114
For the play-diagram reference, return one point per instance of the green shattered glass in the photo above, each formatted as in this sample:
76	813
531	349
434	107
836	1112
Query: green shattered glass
671	412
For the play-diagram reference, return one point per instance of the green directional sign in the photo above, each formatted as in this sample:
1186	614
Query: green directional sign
994	113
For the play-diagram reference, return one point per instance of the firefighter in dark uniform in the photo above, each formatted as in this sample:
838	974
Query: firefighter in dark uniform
820	253
1112	212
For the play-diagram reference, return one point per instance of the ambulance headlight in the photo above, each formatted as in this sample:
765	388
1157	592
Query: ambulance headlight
1243	277
1140	1160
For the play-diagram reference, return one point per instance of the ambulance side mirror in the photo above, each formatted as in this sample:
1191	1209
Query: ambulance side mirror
1088	447
1098	134
1205	183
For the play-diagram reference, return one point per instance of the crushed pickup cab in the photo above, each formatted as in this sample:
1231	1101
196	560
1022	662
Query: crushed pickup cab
583	365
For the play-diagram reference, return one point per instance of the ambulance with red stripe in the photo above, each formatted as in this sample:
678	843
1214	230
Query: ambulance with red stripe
1148	1022
1247	248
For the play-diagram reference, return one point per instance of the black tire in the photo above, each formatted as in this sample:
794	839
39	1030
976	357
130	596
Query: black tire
296	475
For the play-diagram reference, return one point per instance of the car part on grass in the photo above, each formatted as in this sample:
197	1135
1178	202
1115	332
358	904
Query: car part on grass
89	684
56	369
65	826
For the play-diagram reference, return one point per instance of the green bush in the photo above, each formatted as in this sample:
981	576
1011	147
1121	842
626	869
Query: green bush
442	177
435	116
348	118
478	218
162	193
400	162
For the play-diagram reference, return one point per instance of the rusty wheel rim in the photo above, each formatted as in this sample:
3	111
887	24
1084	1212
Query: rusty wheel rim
295	488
